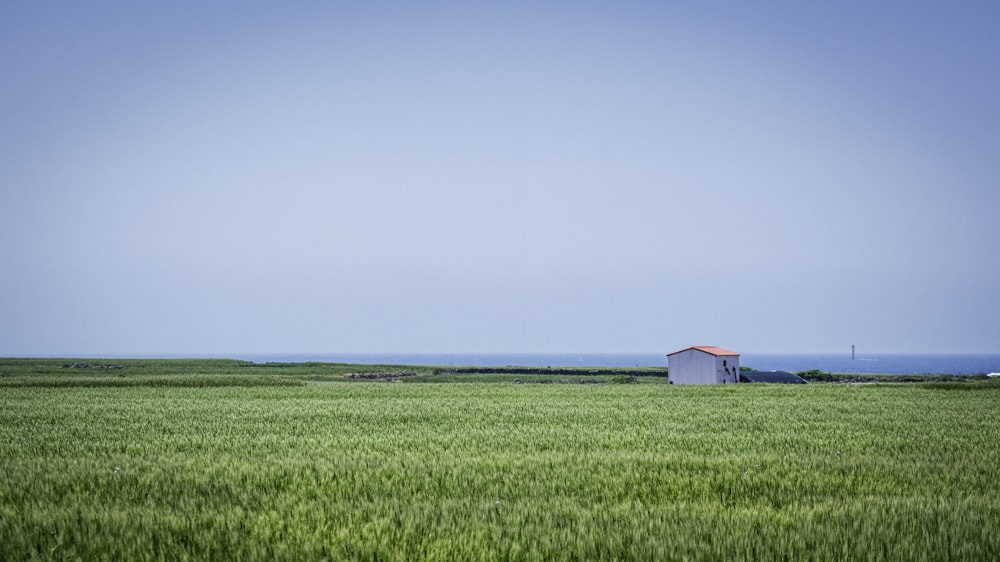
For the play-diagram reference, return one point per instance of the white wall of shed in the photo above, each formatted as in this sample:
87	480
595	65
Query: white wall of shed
692	367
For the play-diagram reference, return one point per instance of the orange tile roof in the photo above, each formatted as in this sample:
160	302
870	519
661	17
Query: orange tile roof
710	349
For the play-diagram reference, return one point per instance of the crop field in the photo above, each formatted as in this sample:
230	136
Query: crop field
217	460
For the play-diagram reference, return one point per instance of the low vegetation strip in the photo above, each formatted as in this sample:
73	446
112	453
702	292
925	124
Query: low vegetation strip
150	381
558	371
379	375
816	375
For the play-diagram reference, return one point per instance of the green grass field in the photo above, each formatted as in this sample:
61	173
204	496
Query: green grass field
218	460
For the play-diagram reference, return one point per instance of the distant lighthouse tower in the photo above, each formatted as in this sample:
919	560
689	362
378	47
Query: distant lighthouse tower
852	351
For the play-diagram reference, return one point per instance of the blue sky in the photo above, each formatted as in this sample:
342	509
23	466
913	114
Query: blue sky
498	176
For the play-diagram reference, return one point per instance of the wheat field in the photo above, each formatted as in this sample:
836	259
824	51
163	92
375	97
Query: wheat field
481	471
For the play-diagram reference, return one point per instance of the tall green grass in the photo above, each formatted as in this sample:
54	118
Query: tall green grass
499	472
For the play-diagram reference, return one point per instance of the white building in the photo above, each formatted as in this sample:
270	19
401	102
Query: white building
703	364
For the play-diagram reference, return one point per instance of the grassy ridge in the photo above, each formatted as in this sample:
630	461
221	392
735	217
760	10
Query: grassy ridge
229	372
499	472
173	372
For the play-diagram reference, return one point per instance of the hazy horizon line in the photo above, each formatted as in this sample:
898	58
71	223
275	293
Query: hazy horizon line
235	355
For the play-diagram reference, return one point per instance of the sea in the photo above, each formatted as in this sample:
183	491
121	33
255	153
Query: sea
900	364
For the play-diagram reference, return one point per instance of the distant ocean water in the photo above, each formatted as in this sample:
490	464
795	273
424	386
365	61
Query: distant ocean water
955	364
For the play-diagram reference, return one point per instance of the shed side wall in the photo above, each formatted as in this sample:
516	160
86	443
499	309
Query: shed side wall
727	369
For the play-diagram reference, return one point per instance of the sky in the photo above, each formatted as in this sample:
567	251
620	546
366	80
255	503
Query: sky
622	176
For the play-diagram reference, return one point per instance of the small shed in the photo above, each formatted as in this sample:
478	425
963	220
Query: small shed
771	376
703	364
